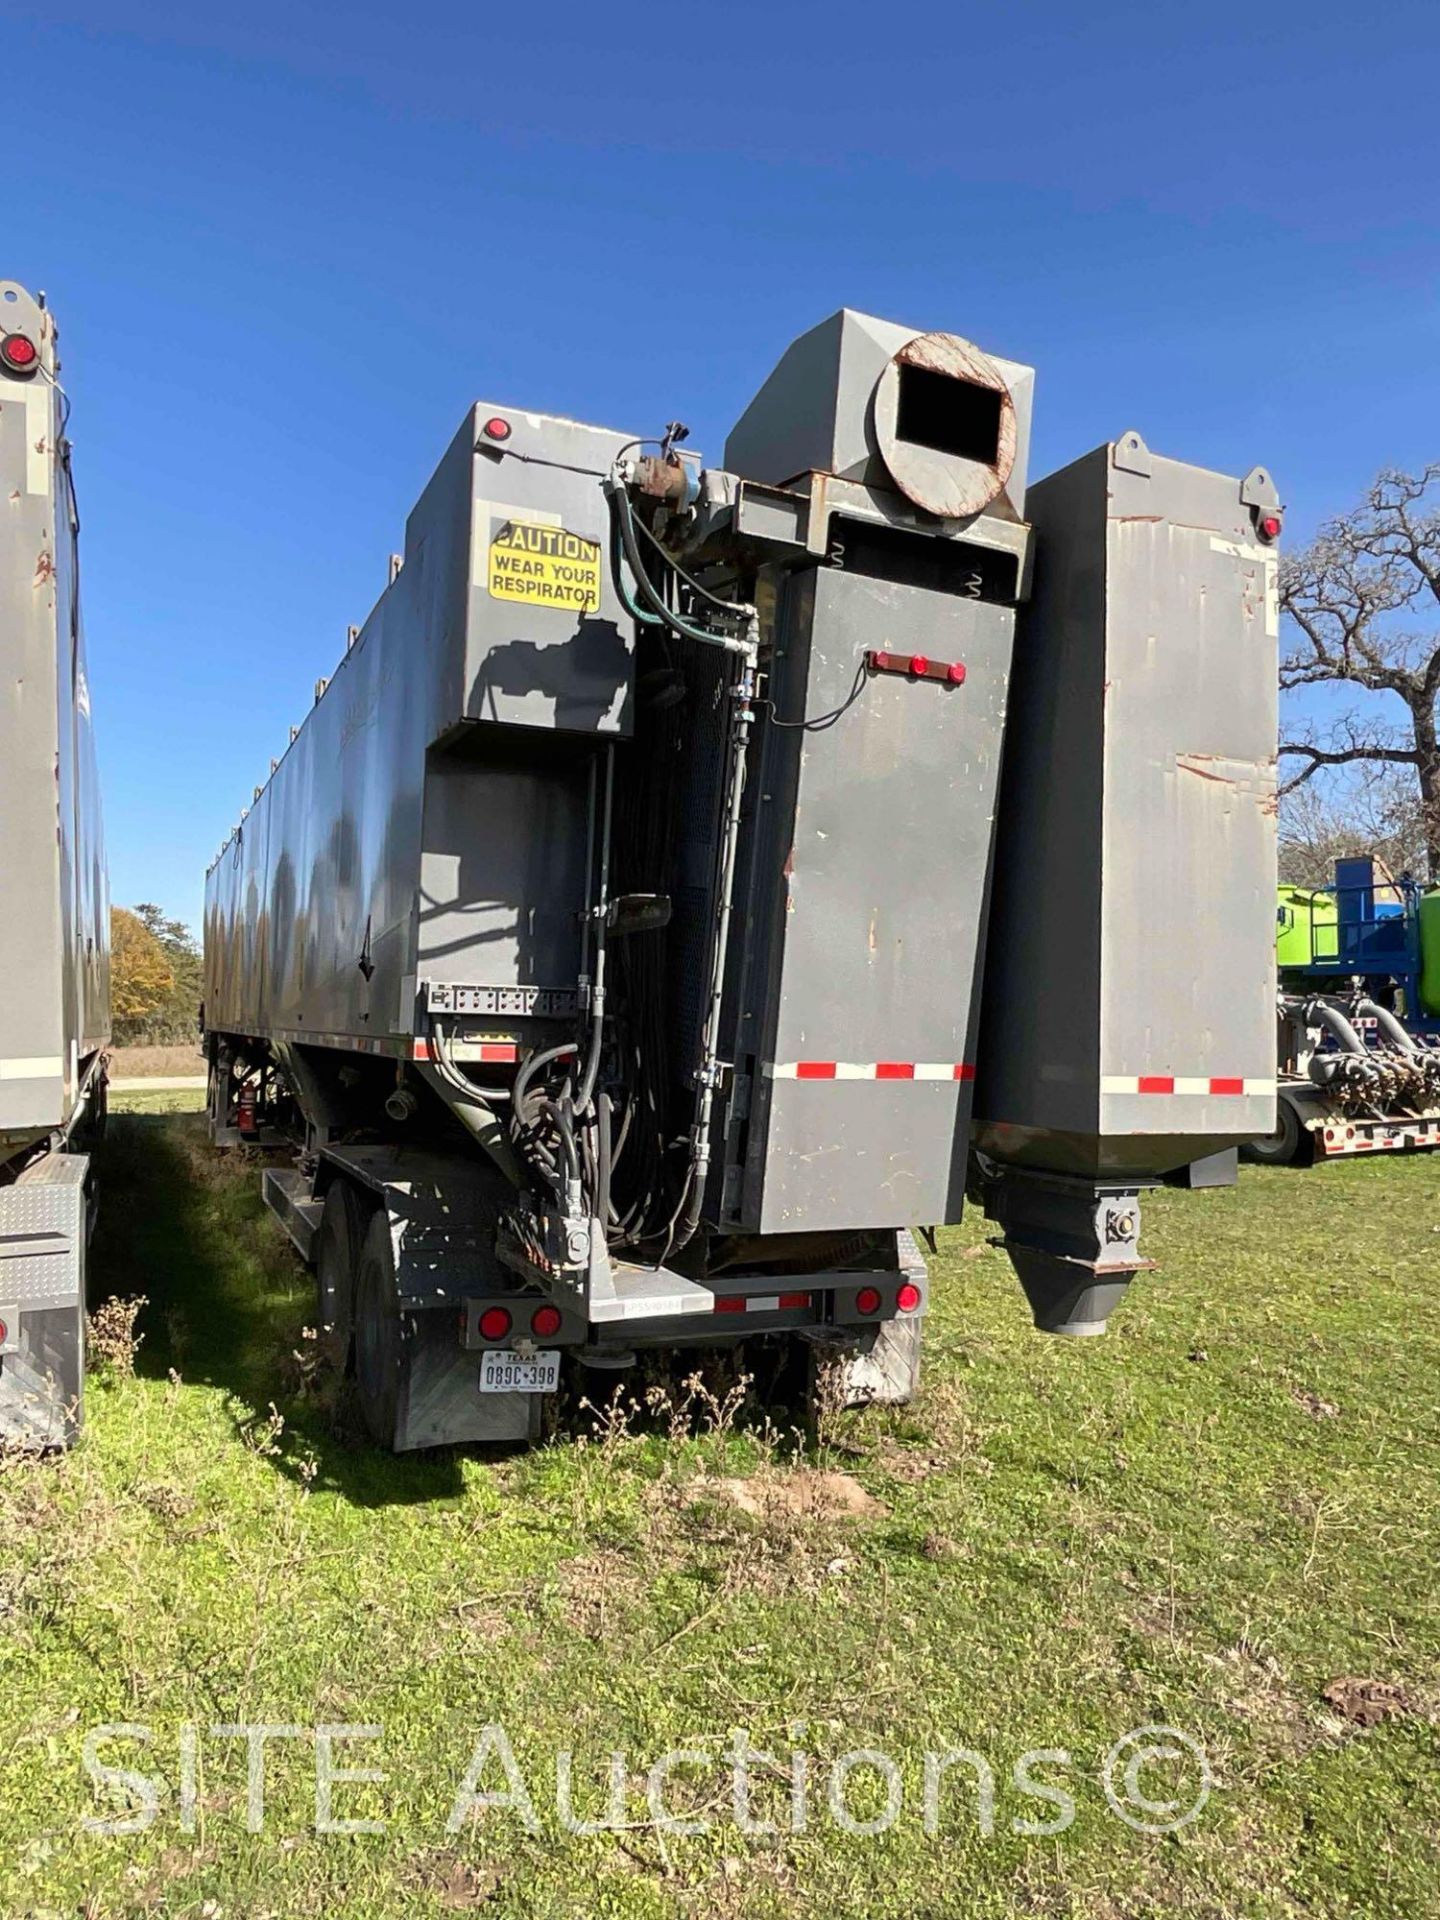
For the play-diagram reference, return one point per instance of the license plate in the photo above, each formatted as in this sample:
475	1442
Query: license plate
504	1372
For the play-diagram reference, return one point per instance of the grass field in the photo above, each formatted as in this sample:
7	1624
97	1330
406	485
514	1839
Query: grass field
1215	1518
127	1063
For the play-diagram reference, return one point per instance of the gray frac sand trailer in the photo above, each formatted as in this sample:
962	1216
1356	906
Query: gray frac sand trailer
610	939
54	909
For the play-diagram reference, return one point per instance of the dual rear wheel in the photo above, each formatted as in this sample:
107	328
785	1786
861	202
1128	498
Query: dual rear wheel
358	1302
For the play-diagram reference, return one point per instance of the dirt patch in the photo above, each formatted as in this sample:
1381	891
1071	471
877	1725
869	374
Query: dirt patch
798	1496
456	1883
910	1464
1317	1408
1365	1703
1257	1691
597	1588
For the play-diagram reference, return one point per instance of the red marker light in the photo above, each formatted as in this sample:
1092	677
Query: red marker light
867	1301
19	352
908	1298
494	1323
1270	525
496	429
955	673
545	1321
918	663
4	1333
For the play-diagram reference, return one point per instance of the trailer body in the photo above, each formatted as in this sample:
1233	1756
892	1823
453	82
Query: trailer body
54	907
610	938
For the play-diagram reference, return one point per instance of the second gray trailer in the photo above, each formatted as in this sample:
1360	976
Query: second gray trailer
609	940
54	903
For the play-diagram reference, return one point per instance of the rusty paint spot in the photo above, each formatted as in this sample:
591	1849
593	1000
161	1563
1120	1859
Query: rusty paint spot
1188	766
1125	519
874	943
44	568
789	867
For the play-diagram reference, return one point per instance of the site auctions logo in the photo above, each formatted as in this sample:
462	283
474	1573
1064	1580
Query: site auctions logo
1156	1779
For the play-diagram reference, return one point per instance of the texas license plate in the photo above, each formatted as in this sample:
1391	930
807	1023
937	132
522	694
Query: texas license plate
505	1372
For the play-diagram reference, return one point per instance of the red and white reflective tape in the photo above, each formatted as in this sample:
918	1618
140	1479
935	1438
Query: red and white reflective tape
869	1070
1165	1083
761	1302
1337	1141
494	1053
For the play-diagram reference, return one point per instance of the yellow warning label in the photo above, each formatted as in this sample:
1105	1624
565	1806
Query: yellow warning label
545	565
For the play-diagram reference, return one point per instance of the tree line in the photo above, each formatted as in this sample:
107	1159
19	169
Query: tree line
155	978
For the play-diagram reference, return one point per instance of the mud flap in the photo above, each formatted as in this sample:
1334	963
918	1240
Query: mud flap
440	1402
874	1366
42	1302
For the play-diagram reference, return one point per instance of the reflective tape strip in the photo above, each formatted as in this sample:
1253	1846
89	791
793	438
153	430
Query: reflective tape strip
39	1066
495	1053
1211	1085
868	1070
762	1302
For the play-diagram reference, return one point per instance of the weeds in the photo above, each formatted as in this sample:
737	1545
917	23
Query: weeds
111	1342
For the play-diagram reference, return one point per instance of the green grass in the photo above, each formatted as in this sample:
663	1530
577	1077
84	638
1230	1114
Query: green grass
157	1100
1203	1520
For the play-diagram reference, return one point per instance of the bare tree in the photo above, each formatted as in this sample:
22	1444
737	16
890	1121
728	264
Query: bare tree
1363	602
1376	811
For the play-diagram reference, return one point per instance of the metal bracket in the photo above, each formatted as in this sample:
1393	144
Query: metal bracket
1258	490
1131	455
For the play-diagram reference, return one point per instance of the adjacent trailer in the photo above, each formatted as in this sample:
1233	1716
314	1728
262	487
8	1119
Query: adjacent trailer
54	909
1357	1018
609	940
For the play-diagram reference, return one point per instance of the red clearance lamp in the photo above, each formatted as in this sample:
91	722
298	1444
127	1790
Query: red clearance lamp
18	353
916	666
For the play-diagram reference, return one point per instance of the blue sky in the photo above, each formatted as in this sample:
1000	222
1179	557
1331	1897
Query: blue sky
289	246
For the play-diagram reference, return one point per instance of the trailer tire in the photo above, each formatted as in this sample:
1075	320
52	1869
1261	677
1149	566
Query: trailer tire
337	1258
1289	1145
379	1349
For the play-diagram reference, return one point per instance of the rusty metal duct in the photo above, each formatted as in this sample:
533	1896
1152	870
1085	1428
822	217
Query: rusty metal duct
945	425
923	418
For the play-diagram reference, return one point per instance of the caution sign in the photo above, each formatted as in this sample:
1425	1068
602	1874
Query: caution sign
545	566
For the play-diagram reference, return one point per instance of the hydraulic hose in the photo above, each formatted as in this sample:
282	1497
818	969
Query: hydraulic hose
620	507
707	1076
597	991
1325	1015
1386	1021
622	586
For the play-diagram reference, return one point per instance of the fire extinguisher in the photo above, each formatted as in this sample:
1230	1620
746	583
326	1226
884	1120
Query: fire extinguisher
245	1108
